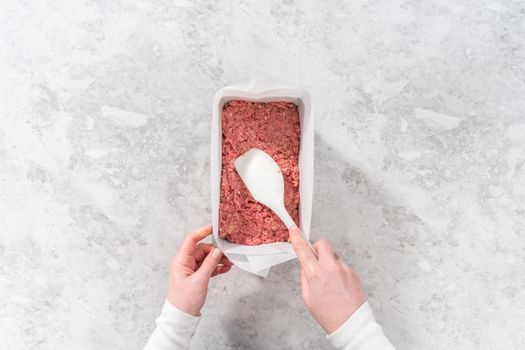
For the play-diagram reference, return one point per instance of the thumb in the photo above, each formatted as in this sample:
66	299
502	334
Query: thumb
304	252
209	264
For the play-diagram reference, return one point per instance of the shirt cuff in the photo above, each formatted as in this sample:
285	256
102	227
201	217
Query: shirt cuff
177	325
348	330
174	316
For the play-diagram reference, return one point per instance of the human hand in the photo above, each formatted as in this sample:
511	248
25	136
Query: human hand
191	269
331	290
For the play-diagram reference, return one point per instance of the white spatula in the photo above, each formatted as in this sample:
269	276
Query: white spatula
264	179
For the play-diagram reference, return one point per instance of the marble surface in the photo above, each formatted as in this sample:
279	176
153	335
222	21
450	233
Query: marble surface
420	165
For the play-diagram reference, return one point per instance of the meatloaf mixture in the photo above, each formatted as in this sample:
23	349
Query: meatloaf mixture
274	128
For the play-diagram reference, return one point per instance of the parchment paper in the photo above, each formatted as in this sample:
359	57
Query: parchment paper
260	258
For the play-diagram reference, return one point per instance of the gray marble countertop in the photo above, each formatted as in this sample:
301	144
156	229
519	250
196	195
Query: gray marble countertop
105	113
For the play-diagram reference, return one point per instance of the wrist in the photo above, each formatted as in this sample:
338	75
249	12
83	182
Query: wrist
183	306
361	326
334	323
337	317
184	309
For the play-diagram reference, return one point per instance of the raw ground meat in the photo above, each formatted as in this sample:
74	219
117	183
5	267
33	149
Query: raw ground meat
274	128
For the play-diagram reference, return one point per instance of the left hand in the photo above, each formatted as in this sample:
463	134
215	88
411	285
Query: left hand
191	270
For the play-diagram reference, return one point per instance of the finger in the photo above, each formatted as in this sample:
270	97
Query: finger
304	285
314	249
324	250
304	280
209	264
304	253
219	270
201	251
190	242
225	261
224	265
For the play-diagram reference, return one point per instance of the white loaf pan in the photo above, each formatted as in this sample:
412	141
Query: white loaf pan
259	259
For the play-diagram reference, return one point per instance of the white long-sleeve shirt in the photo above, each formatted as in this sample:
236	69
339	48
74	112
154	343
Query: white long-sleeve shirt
360	332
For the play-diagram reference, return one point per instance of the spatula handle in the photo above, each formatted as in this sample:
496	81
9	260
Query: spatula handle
282	213
290	224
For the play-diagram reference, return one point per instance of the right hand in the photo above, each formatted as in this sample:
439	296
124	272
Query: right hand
331	290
